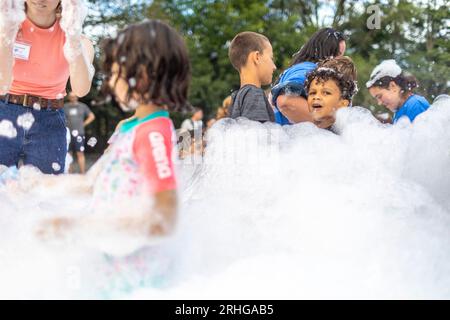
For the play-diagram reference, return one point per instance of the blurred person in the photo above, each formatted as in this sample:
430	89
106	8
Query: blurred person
133	186
78	116
41	48
194	123
222	112
210	123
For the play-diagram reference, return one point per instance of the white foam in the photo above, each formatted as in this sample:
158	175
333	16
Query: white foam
92	142
272	212
25	120
12	14
7	129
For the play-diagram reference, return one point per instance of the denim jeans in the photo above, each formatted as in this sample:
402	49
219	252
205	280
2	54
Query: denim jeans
43	144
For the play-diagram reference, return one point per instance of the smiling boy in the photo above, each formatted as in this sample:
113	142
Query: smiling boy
330	87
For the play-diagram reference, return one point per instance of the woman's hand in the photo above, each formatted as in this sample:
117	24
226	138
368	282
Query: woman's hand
74	13
12	14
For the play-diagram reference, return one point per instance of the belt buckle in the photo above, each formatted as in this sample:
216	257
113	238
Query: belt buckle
25	100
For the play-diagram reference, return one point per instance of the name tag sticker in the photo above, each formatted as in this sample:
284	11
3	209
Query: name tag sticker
21	50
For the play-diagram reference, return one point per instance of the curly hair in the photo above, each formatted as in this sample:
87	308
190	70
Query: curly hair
152	57
343	64
346	84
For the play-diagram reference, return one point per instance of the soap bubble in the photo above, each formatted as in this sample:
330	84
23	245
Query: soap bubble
7	129
92	142
56	167
25	120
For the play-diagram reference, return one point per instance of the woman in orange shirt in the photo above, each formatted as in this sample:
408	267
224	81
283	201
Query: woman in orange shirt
41	47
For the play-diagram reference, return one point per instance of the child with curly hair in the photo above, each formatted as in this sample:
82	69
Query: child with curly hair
330	87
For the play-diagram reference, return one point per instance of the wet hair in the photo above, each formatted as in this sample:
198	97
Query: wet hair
322	44
343	64
405	80
346	84
153	59
243	44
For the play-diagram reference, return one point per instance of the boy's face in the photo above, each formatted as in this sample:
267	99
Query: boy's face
324	98
266	64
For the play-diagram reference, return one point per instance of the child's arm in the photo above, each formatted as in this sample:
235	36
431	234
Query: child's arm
293	107
166	206
152	149
158	221
116	132
50	185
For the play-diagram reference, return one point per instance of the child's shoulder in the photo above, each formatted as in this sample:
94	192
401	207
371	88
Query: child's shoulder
251	95
161	124
250	90
297	72
416	101
246	93
158	131
245	89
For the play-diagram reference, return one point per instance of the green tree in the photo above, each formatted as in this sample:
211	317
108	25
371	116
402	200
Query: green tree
414	33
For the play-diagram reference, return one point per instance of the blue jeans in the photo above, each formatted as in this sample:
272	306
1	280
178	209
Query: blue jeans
42	145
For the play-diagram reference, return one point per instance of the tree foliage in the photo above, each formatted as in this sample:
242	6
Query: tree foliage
415	33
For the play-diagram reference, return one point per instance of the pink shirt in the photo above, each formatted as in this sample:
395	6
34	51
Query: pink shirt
46	71
138	165
152	150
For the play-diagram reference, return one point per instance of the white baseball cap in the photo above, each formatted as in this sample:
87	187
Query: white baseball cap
387	68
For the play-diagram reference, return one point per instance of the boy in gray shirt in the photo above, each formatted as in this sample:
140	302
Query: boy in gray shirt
251	54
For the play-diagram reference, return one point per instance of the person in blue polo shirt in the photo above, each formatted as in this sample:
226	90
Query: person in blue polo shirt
394	88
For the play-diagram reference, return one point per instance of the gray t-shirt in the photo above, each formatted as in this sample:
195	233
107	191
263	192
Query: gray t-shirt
251	102
76	113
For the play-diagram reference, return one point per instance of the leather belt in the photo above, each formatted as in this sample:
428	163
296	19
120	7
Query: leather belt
31	101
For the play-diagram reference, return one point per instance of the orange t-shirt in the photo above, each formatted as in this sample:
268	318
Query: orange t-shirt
43	71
